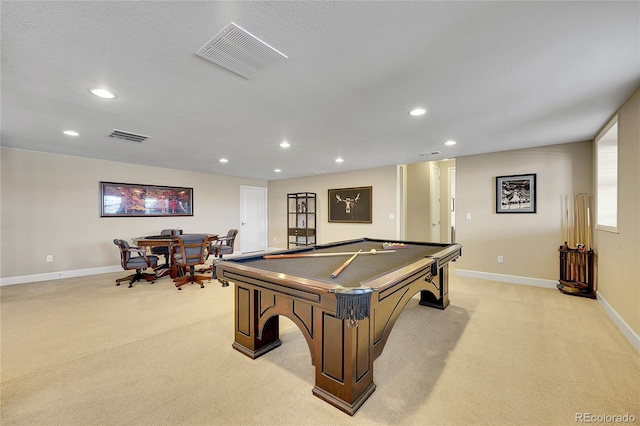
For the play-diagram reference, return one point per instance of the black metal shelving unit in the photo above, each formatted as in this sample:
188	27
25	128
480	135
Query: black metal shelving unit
301	219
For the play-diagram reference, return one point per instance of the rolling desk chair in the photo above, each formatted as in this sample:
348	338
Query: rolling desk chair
220	247
191	251
140	262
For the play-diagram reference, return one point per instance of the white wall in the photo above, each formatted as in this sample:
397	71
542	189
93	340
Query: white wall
384	183
51	205
618	254
528	242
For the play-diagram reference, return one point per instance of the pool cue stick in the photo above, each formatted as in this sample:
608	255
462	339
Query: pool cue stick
585	236
344	265
581	220
580	239
576	230
566	221
589	234
344	253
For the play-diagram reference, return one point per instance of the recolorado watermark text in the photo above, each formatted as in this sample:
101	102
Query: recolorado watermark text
605	418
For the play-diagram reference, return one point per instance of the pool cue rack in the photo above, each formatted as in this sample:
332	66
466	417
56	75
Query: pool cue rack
576	271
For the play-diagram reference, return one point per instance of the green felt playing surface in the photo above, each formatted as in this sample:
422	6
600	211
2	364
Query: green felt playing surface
362	269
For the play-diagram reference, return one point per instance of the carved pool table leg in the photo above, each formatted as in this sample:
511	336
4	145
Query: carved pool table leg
344	362
441	287
247	333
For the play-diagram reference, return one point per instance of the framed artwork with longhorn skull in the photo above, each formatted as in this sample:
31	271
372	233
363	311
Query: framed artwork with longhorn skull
351	205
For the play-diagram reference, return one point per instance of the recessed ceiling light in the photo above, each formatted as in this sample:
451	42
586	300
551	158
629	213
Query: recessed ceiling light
103	93
339	160
277	170
223	160
71	133
285	144
417	111
450	143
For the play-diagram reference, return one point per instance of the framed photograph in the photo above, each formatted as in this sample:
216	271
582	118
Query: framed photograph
350	205
516	194
134	200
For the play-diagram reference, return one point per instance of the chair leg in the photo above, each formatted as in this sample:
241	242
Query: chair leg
205	269
180	281
139	275
191	278
150	278
127	278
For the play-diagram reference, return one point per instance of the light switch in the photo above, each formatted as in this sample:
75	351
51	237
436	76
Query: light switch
391	216
467	216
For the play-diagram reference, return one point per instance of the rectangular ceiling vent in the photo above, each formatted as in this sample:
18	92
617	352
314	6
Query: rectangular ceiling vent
239	51
119	134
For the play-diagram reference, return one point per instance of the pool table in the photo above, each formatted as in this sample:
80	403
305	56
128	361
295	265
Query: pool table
346	320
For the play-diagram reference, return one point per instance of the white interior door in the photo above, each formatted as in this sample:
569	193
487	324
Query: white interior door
253	209
435	203
452	190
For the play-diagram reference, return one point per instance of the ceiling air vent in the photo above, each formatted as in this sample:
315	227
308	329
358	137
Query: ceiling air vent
239	51
119	134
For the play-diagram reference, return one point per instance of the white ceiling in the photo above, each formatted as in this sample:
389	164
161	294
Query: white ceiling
492	75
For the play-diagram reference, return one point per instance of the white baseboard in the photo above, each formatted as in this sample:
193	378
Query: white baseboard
513	279
23	279
627	331
58	275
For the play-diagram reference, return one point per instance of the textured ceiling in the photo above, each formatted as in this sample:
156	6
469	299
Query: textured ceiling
492	75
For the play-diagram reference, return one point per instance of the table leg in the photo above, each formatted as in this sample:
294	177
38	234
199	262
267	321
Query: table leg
344	362
249	339
441	282
342	355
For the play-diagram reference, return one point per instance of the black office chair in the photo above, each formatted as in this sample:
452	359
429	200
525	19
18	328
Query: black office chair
164	250
139	263
191	251
220	247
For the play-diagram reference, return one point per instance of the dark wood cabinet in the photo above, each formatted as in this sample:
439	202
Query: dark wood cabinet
301	219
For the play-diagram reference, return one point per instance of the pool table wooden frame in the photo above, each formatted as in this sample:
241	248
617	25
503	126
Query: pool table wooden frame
342	354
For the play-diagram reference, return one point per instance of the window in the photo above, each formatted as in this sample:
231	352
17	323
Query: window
607	175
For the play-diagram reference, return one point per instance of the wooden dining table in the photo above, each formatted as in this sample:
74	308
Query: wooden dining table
171	242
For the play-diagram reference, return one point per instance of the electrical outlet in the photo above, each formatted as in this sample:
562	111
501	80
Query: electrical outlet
500	259
49	258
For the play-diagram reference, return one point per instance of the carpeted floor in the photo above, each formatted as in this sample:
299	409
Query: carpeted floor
82	351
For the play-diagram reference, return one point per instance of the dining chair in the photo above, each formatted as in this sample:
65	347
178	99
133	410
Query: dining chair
139	263
191	251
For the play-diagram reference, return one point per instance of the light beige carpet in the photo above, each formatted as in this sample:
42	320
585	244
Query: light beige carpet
82	351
